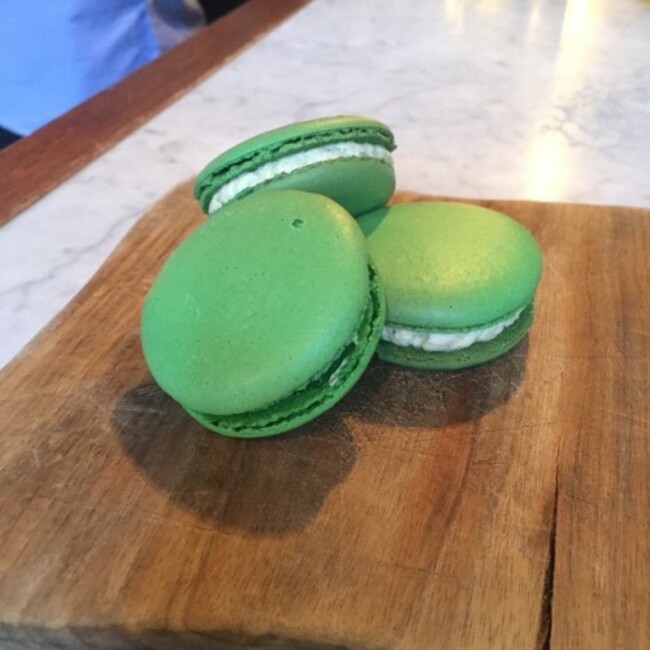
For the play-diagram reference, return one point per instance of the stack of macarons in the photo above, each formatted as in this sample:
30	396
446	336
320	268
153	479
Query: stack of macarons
271	310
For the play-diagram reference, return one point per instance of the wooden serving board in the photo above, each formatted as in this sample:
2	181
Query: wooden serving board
505	506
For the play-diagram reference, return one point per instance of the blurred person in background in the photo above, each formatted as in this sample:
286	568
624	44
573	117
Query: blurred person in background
57	53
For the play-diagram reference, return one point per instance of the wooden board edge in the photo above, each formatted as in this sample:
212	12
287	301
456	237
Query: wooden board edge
415	195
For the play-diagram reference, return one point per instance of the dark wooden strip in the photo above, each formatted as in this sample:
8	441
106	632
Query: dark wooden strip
37	164
601	585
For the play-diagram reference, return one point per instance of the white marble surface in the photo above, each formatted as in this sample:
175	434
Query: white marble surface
534	99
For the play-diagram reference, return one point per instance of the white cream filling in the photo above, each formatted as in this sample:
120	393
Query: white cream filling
445	341
336	375
291	163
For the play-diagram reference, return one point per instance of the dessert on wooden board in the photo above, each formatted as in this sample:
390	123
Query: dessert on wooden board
270	311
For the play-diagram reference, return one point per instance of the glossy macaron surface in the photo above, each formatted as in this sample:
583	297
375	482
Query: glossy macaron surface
451	270
450	265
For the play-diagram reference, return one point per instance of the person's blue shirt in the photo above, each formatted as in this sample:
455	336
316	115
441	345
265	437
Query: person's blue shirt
56	53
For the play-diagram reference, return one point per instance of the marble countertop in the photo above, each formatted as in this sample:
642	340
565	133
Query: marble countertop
534	99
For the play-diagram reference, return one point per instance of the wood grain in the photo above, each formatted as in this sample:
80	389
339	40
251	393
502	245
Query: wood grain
504	506
36	164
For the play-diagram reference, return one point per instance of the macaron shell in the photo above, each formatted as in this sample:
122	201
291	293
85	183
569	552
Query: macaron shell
450	265
306	405
283	141
358	184
255	302
471	356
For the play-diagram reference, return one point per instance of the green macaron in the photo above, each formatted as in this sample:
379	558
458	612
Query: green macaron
460	282
265	316
345	158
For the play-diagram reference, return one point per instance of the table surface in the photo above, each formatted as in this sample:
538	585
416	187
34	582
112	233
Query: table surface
541	100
